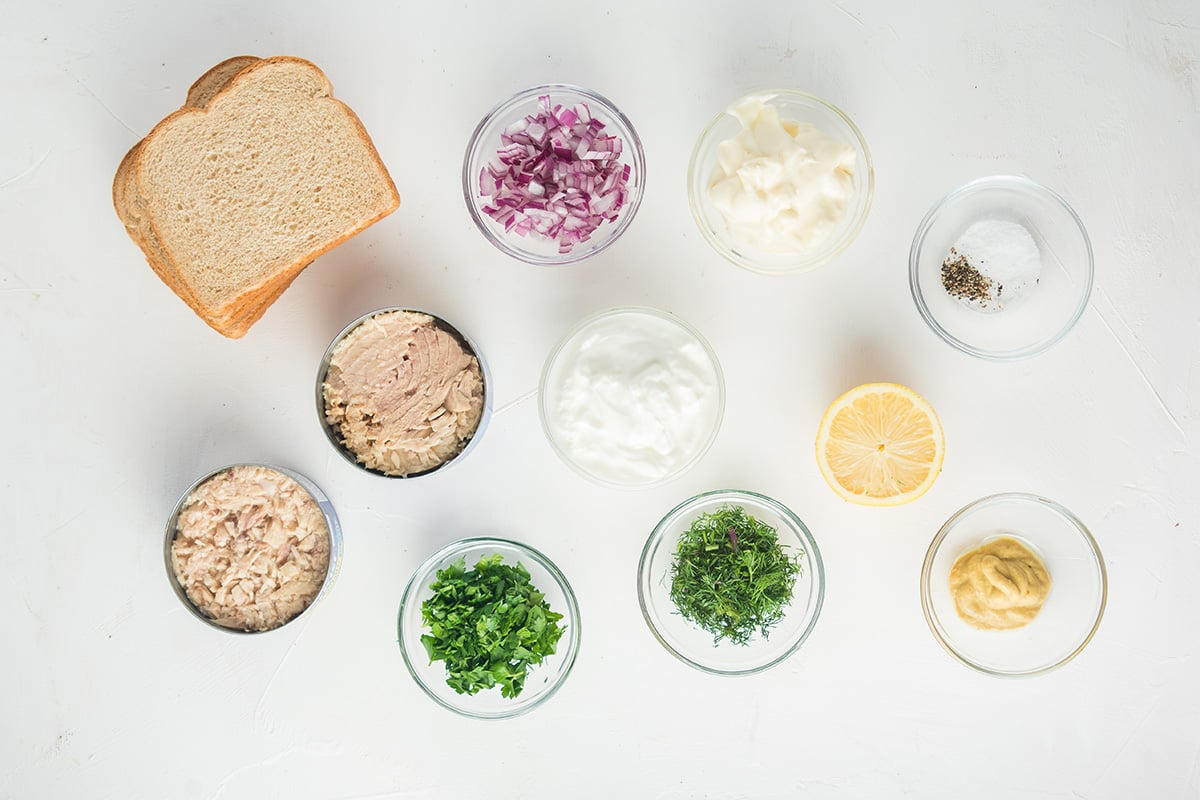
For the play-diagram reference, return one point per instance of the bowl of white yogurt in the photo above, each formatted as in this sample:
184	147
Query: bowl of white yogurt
631	397
1001	268
780	181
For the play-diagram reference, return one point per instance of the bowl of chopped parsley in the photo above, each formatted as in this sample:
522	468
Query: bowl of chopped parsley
731	582
489	627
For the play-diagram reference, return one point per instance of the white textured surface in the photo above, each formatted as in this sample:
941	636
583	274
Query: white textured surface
116	397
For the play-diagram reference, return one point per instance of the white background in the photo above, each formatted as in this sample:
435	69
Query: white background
115	397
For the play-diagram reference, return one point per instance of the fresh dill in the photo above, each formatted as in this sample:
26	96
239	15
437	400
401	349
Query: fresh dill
731	576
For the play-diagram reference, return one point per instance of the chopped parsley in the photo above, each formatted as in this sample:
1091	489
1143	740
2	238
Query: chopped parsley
489	624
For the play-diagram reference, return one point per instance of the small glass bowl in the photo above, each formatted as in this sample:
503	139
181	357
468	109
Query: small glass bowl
1072	611
798	107
331	524
1051	309
542	681
485	141
694	646
335	439
621	320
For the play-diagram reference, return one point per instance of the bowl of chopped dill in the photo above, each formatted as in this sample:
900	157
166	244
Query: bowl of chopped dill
731	582
489	628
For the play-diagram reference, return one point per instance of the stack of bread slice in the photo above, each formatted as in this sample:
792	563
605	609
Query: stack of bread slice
234	194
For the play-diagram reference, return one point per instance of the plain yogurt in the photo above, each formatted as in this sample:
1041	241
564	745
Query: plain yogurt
632	397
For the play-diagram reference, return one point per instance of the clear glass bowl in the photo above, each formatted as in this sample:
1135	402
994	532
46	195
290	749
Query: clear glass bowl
1072	611
800	107
543	680
687	641
483	146
335	439
1050	310
635	421
331	524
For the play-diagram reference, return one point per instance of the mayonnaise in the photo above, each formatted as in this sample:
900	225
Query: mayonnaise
632	397
781	186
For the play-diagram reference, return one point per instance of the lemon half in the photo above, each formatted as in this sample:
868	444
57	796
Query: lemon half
880	444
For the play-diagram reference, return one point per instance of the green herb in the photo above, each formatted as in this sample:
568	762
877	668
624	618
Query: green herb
489	624
731	576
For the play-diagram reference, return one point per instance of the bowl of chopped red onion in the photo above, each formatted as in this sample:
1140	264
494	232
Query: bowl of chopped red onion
554	174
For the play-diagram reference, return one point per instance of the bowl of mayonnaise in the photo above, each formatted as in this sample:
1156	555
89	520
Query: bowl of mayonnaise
780	181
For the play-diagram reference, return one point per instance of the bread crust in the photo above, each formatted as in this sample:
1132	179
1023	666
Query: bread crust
210	83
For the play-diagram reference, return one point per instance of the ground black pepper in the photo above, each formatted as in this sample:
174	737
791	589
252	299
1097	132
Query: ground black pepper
961	279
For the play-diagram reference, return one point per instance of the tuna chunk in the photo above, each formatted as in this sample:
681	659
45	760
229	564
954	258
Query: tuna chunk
402	393
251	548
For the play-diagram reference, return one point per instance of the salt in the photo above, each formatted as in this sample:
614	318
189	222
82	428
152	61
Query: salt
1007	261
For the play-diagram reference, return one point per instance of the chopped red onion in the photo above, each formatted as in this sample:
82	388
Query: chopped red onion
556	175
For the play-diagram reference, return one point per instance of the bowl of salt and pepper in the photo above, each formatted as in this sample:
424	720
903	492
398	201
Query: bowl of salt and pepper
1001	268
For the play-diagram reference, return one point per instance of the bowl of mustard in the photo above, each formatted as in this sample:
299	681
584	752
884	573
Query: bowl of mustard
1013	585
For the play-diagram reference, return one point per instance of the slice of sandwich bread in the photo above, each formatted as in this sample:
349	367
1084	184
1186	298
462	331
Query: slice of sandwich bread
260	172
